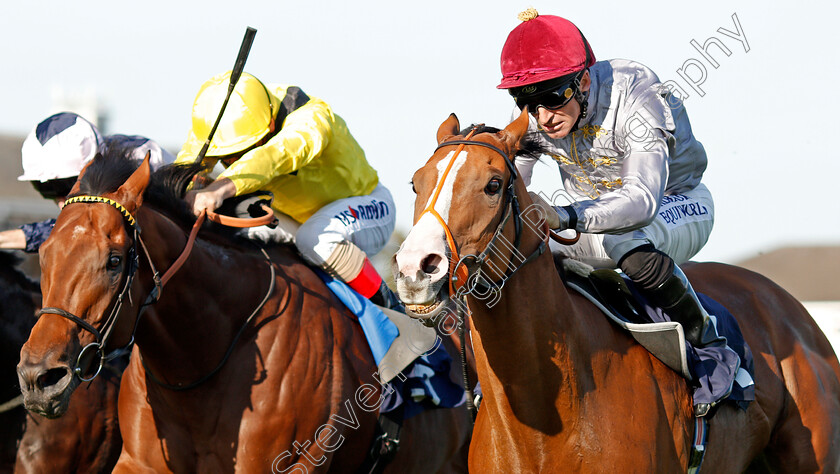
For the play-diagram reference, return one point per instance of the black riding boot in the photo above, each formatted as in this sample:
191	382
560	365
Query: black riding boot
657	276
661	280
387	299
680	302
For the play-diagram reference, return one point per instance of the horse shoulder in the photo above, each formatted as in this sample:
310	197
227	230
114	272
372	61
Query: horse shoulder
645	395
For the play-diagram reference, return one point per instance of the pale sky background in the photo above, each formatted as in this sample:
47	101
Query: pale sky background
395	70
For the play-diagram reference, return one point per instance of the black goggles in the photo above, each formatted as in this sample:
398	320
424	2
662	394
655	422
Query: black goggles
54	188
551	100
552	94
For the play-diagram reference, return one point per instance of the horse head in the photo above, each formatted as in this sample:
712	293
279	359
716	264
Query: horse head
87	265
468	219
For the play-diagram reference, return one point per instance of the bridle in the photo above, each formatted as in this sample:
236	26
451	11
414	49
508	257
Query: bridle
460	276
462	281
110	322
102	336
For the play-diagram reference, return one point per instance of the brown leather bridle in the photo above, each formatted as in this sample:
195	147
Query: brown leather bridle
102	336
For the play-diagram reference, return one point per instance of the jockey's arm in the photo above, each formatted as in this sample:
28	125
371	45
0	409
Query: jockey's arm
13	239
634	204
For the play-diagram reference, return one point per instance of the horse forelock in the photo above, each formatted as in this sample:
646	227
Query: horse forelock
530	145
106	173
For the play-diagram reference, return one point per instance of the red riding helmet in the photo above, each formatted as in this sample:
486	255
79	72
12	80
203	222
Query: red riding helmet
543	47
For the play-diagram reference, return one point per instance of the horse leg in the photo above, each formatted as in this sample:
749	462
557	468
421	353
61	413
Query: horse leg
434	441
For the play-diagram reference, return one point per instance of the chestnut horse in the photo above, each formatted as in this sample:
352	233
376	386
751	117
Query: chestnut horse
245	363
88	438
567	391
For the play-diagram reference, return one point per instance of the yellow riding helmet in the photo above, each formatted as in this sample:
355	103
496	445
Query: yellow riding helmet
248	117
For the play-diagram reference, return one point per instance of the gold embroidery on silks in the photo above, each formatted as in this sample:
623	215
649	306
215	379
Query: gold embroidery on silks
582	179
561	159
592	131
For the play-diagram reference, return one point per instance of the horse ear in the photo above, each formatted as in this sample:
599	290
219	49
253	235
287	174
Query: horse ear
130	194
449	127
516	130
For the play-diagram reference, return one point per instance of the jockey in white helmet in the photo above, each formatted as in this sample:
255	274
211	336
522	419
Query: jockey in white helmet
54	154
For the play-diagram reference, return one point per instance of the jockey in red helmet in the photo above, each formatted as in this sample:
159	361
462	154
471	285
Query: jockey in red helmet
545	64
628	160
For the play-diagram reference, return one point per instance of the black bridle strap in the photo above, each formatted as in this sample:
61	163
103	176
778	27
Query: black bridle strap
110	321
511	167
512	209
72	317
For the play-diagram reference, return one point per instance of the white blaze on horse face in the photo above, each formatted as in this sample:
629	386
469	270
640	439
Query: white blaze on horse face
428	239
444	200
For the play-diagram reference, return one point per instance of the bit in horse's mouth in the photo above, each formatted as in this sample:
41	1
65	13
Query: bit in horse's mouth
425	309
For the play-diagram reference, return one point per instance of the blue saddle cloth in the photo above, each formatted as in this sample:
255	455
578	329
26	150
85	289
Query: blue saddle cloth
424	384
716	370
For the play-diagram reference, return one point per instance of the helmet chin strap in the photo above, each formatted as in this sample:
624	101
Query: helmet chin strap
583	99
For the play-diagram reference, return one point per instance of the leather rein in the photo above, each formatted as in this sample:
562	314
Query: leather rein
103	335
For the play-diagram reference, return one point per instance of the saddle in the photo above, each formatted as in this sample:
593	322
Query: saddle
607	290
714	373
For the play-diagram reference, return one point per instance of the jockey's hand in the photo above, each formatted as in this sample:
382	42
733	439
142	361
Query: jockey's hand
211	197
556	216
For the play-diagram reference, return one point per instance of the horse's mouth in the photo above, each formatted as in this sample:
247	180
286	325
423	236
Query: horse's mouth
429	311
49	393
48	407
51	409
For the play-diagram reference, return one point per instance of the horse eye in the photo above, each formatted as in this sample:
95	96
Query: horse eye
413	189
114	261
493	186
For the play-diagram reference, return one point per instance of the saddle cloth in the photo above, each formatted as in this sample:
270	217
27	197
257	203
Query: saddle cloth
413	366
715	373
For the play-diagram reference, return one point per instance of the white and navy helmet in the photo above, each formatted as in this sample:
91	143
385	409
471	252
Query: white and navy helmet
138	147
59	147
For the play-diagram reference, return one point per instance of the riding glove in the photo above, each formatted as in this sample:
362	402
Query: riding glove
558	217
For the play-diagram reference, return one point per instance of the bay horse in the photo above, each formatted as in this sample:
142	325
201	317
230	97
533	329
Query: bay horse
245	363
87	439
567	391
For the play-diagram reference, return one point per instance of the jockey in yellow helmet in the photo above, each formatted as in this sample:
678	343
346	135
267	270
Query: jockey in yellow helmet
276	138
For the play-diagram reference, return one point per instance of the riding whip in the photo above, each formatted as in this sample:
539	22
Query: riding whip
244	49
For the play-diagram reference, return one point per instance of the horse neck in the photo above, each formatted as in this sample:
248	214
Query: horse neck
530	346
207	300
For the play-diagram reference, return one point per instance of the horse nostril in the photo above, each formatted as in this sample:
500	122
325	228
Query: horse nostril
51	377
431	264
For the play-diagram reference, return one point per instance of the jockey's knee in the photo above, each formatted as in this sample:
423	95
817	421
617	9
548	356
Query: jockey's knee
648	267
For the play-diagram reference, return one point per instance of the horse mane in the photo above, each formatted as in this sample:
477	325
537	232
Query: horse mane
530	146
165	192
